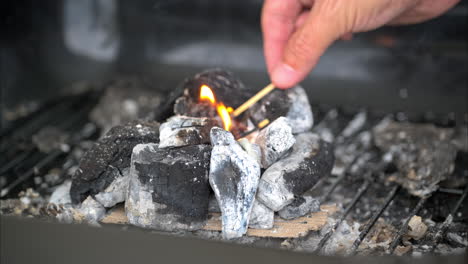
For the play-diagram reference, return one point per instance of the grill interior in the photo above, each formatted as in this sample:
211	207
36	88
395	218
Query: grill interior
360	187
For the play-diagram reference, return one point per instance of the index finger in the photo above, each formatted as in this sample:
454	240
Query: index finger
278	23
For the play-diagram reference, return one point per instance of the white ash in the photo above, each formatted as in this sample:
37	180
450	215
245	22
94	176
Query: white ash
261	216
251	148
116	192
299	207
423	153
275	140
61	194
300	115
355	124
457	239
180	131
91	210
139	206
311	159
51	138
234	177
346	153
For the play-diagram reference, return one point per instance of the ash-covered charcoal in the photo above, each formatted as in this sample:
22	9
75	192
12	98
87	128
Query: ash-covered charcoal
61	194
299	207
168	187
252	149
106	161
51	138
261	216
226	87
124	100
291	103
91	211
180	131
310	160
116	192
423	153
213	206
274	141
234	176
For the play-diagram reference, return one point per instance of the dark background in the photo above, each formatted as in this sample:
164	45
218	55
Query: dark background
420	68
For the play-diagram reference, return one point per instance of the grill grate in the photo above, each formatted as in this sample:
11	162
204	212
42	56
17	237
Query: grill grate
23	160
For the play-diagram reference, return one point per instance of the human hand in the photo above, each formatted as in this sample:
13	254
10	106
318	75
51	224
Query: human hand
297	32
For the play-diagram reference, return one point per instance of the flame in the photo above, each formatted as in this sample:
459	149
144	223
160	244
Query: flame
224	112
207	94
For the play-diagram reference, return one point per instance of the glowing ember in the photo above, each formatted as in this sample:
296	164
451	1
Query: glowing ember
224	112
207	94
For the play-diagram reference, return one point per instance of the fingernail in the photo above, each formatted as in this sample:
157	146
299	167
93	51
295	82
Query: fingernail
284	76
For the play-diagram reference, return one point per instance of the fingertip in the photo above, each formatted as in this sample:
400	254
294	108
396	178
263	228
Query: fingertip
284	76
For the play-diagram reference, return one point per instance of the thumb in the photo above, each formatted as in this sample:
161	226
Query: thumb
303	50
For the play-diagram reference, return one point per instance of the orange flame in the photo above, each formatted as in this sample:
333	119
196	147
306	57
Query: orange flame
207	94
224	114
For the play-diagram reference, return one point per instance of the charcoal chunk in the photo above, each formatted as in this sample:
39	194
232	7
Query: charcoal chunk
299	207
227	89
234	176
274	141
180	131
261	216
423	154
109	157
291	103
169	187
310	160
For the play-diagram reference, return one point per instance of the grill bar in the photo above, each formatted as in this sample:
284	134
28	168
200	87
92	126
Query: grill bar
442	229
404	228
362	189
374	218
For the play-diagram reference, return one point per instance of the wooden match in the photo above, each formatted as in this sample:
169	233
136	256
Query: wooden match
253	100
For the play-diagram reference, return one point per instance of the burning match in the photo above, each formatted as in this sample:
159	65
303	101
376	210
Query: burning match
253	100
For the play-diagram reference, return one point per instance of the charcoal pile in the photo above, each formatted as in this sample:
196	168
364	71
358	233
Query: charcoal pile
166	173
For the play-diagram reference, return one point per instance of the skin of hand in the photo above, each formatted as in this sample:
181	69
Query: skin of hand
297	32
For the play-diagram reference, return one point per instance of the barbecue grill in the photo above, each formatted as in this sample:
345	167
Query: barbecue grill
416	74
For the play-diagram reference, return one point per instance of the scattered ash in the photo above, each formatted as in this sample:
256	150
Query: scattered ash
51	138
423	154
124	100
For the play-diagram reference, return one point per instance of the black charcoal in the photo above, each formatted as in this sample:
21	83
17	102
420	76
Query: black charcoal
274	141
261	216
226	87
423	153
213	206
109	157
180	131
291	103
169	187
299	207
234	177
311	159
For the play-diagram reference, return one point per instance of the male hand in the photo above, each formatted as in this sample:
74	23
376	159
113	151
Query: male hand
297	32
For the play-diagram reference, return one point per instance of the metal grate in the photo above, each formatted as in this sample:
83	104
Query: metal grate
23	160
